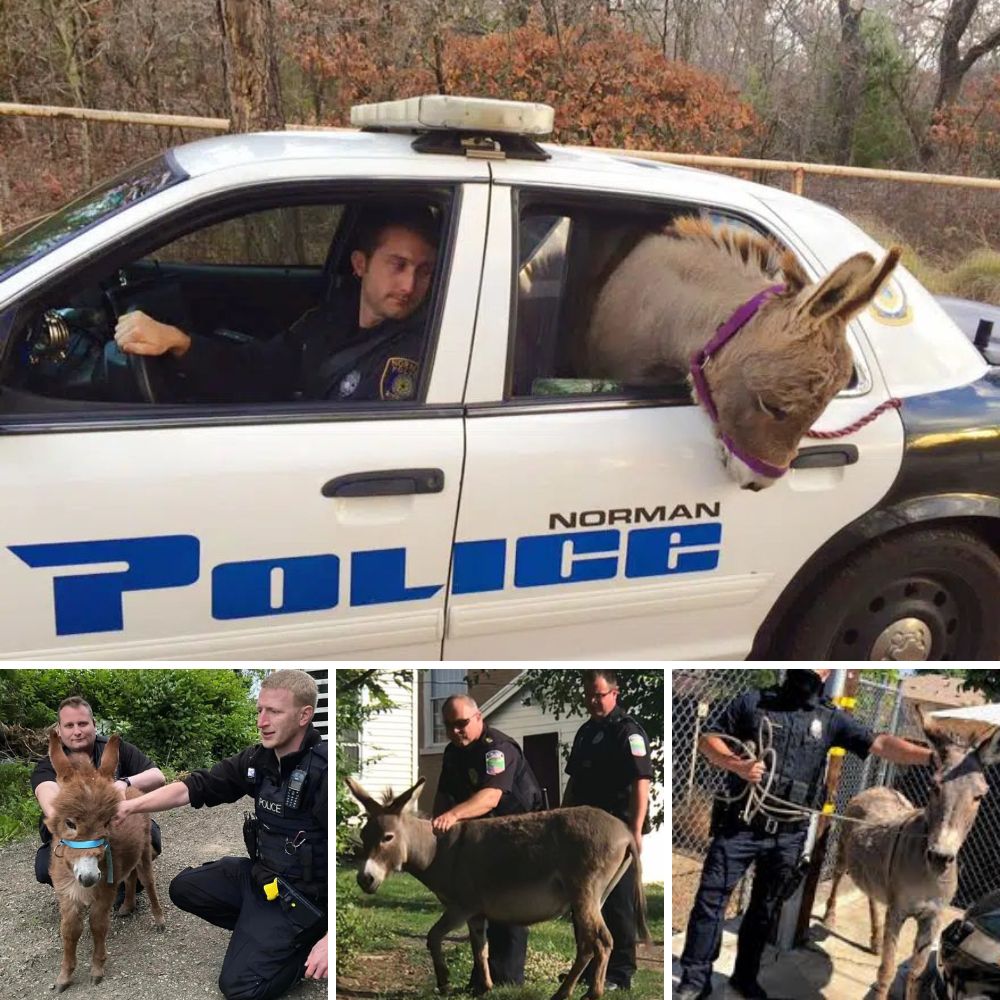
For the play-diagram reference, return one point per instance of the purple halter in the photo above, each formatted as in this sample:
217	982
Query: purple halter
722	336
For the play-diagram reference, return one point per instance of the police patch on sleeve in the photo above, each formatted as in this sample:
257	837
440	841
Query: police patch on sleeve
399	379
495	762
637	745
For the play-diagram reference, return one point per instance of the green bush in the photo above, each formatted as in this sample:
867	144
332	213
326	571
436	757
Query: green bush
182	719
19	811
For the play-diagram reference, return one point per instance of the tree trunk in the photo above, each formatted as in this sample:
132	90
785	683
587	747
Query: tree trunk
851	70
952	65
250	65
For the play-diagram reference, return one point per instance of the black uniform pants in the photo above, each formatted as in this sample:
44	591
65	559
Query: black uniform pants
620	916
508	949
44	853
267	953
729	856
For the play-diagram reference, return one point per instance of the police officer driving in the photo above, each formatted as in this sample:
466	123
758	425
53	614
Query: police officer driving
484	773
364	342
609	767
275	901
796	726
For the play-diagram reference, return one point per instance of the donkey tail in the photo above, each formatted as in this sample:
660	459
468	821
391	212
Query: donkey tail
642	929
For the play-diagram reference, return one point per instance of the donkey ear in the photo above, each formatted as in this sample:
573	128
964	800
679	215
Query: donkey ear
933	730
399	803
60	762
372	807
845	292
988	748
109	759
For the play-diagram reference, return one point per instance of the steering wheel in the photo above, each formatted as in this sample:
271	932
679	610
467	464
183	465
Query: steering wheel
149	374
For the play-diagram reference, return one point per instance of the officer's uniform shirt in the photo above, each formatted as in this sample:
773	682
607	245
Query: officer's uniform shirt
492	761
234	777
608	756
802	733
321	356
131	761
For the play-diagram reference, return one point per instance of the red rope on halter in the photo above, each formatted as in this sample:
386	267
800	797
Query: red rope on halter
890	404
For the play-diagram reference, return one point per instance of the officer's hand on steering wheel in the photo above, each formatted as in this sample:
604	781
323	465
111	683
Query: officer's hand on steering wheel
137	333
750	771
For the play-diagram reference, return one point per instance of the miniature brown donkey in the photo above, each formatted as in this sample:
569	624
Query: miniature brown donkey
90	856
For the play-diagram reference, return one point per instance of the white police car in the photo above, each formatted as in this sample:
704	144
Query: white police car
509	510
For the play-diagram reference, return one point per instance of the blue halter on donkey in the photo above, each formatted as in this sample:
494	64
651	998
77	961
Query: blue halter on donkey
90	845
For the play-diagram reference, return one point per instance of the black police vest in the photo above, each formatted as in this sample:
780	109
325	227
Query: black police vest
604	782
801	740
290	840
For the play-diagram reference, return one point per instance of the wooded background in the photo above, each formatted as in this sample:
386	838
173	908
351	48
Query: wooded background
910	84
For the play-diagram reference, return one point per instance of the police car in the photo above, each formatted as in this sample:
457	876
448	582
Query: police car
514	508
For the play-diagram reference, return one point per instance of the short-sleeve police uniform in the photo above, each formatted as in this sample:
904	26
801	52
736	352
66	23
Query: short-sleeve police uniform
287	838
801	734
131	761
609	755
325	354
495	761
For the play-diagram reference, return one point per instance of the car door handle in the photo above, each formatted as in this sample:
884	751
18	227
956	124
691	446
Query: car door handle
825	456
385	483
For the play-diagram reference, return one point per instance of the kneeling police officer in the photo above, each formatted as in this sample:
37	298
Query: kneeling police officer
484	773
275	901
804	725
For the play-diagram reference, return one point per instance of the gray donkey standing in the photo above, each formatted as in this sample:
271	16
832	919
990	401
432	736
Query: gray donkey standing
513	869
906	857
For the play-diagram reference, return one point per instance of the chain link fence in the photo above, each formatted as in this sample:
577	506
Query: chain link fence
881	707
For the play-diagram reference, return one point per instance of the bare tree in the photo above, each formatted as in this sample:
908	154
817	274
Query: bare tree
952	63
250	64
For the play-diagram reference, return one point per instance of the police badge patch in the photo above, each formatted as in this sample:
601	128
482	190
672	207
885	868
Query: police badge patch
399	379
637	745
495	762
815	729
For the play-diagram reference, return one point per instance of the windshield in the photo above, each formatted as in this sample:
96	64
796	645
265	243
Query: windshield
27	243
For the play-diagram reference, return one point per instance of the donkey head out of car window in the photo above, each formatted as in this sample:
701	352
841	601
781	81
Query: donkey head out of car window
776	375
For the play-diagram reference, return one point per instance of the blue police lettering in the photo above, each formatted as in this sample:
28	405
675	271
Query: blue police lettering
93	602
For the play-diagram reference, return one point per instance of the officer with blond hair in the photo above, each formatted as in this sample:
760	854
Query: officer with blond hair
274	901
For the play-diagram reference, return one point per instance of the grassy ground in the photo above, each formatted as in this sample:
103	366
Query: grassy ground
381	950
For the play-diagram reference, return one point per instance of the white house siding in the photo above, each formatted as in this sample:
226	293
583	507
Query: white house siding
388	742
518	721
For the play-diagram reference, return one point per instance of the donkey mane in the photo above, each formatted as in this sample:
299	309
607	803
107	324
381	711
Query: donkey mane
388	797
85	796
742	246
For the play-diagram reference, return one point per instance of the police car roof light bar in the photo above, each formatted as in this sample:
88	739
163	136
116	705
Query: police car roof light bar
456	114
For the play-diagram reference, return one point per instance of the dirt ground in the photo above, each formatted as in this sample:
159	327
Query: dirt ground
182	963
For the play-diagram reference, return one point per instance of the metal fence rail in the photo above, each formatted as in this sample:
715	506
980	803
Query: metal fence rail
881	707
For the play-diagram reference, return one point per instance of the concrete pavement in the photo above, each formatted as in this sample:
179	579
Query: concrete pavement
835	965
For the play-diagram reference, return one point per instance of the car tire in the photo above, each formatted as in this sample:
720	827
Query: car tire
929	593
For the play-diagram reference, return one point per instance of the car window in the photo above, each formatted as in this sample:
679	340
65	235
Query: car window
290	236
566	253
31	241
329	301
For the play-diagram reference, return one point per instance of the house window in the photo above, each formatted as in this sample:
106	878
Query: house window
350	745
443	684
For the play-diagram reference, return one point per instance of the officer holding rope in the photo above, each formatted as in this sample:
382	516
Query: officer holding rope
774	743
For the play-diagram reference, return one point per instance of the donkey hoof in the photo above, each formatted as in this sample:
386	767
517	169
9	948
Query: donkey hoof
95	979
159	926
59	987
